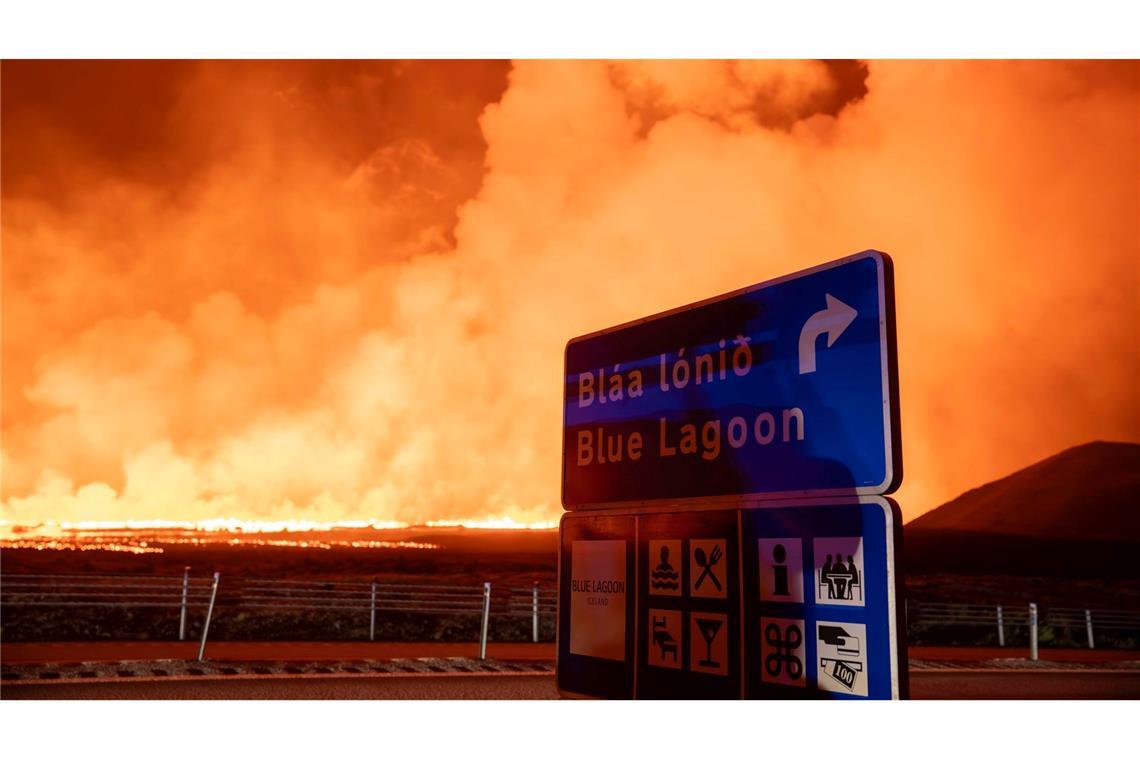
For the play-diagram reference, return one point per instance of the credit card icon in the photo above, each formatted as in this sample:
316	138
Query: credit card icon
842	641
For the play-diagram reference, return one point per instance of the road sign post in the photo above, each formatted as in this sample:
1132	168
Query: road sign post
724	465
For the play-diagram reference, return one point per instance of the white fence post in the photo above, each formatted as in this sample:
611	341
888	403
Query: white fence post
486	618
372	614
1001	628
209	614
185	594
1033	631
534	612
1088	627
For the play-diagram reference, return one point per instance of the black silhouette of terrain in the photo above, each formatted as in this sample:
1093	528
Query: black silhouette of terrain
1075	515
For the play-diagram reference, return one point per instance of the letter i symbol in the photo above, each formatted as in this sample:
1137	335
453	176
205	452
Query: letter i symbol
780	571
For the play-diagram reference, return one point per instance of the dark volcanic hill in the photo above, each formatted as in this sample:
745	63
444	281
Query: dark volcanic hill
1086	492
1075	514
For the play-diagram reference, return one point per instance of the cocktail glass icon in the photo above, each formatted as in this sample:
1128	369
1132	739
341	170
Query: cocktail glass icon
709	627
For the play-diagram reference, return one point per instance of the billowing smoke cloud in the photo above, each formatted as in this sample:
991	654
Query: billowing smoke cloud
297	305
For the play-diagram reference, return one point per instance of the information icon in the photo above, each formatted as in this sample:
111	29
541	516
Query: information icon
781	570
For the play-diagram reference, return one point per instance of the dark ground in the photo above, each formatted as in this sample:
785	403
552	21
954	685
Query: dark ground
924	685
948	569
516	557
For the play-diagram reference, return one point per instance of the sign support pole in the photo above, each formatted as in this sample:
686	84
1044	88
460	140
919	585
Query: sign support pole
486	620
372	614
209	614
185	595
534	612
1033	632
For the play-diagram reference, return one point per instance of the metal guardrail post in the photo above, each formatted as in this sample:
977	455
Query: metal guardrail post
185	595
209	614
486	619
1033	631
1001	628
372	614
1088	628
534	612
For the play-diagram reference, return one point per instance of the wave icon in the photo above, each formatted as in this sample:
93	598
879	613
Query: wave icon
664	577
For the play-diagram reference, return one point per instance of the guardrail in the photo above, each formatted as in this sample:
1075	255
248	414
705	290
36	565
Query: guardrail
1004	616
187	593
375	597
49	590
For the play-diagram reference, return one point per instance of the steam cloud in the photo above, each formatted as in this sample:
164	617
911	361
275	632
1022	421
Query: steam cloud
289	303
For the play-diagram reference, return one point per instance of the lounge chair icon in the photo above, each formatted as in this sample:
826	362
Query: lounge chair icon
663	639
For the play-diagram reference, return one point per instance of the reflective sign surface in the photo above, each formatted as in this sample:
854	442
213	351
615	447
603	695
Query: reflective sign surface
781	599
785	388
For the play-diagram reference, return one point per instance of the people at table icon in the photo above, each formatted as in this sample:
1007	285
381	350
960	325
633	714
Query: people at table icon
839	578
665	576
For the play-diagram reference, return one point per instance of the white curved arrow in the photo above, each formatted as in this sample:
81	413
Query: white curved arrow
833	320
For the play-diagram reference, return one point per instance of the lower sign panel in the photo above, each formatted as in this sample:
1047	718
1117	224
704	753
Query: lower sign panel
780	600
700	550
596	576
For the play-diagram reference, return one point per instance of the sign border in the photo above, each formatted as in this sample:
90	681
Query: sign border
892	430
896	623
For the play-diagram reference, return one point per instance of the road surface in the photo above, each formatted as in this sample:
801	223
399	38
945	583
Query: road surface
924	685
17	652
1072	684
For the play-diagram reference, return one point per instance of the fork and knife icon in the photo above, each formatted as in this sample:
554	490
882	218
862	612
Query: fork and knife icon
708	562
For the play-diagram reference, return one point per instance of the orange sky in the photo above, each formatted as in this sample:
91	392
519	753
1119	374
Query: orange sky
342	290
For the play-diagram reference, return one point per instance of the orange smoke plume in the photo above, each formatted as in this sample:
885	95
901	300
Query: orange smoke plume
340	291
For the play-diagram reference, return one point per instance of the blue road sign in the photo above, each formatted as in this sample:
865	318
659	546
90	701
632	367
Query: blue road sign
787	388
778	599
